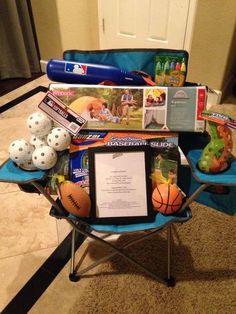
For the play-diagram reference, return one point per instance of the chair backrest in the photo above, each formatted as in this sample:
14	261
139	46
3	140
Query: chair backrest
126	59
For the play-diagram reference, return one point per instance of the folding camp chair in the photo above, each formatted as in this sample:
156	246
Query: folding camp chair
204	180
35	181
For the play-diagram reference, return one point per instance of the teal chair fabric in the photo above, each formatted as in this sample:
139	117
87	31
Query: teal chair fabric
224	202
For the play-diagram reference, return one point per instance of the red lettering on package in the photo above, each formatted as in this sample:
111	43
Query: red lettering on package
201	102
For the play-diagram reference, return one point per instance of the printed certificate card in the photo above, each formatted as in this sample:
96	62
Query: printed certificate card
120	185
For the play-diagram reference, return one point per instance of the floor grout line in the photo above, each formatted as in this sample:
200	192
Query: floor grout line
29	252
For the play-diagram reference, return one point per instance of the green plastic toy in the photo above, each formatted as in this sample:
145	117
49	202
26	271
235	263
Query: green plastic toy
215	156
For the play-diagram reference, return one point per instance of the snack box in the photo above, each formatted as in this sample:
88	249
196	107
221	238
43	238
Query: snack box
164	153
175	109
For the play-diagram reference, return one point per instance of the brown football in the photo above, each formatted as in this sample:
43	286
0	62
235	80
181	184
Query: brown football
75	199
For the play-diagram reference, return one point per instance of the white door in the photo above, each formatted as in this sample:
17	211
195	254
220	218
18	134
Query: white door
145	23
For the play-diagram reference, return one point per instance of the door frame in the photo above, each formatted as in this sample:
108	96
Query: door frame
192	10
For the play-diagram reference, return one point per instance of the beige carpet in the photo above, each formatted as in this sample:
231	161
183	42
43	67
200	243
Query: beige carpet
204	266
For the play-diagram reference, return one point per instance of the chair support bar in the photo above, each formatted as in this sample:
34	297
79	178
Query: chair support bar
194	196
114	248
125	246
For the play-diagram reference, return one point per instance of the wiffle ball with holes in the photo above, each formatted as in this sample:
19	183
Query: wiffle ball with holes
44	157
20	151
38	141
59	139
28	166
39	124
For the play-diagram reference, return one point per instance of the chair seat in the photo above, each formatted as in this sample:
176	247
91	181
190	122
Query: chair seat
160	222
9	172
227	177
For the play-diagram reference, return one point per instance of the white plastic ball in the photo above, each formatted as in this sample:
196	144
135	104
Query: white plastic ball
38	141
59	139
20	151
44	157
39	124
28	166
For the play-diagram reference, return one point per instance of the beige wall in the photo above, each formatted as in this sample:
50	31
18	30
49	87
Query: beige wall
78	23
62	25
47	28
211	44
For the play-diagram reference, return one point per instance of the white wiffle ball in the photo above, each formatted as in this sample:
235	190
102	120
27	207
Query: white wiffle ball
20	151
28	166
38	141
59	139
44	157
39	124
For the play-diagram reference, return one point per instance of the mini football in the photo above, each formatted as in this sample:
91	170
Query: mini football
74	199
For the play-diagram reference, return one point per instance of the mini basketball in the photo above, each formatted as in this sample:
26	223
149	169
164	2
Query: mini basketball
167	198
74	199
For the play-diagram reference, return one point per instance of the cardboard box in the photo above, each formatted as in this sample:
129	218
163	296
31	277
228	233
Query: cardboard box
164	153
148	108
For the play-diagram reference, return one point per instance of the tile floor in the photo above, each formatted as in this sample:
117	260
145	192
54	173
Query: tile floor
28	235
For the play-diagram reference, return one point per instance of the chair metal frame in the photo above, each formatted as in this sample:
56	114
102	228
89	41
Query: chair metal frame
83	228
80	227
75	274
35	182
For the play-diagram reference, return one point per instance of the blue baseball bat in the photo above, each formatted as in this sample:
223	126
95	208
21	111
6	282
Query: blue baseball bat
88	73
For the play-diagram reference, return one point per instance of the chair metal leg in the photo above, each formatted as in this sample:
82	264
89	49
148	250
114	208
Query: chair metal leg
194	195
118	251
115	251
73	274
169	280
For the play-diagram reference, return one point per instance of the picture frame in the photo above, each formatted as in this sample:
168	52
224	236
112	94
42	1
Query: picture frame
120	185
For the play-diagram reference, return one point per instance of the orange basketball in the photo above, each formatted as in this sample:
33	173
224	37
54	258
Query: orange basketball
167	198
74	199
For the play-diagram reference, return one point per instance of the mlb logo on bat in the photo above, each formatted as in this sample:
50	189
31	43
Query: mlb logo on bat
76	68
